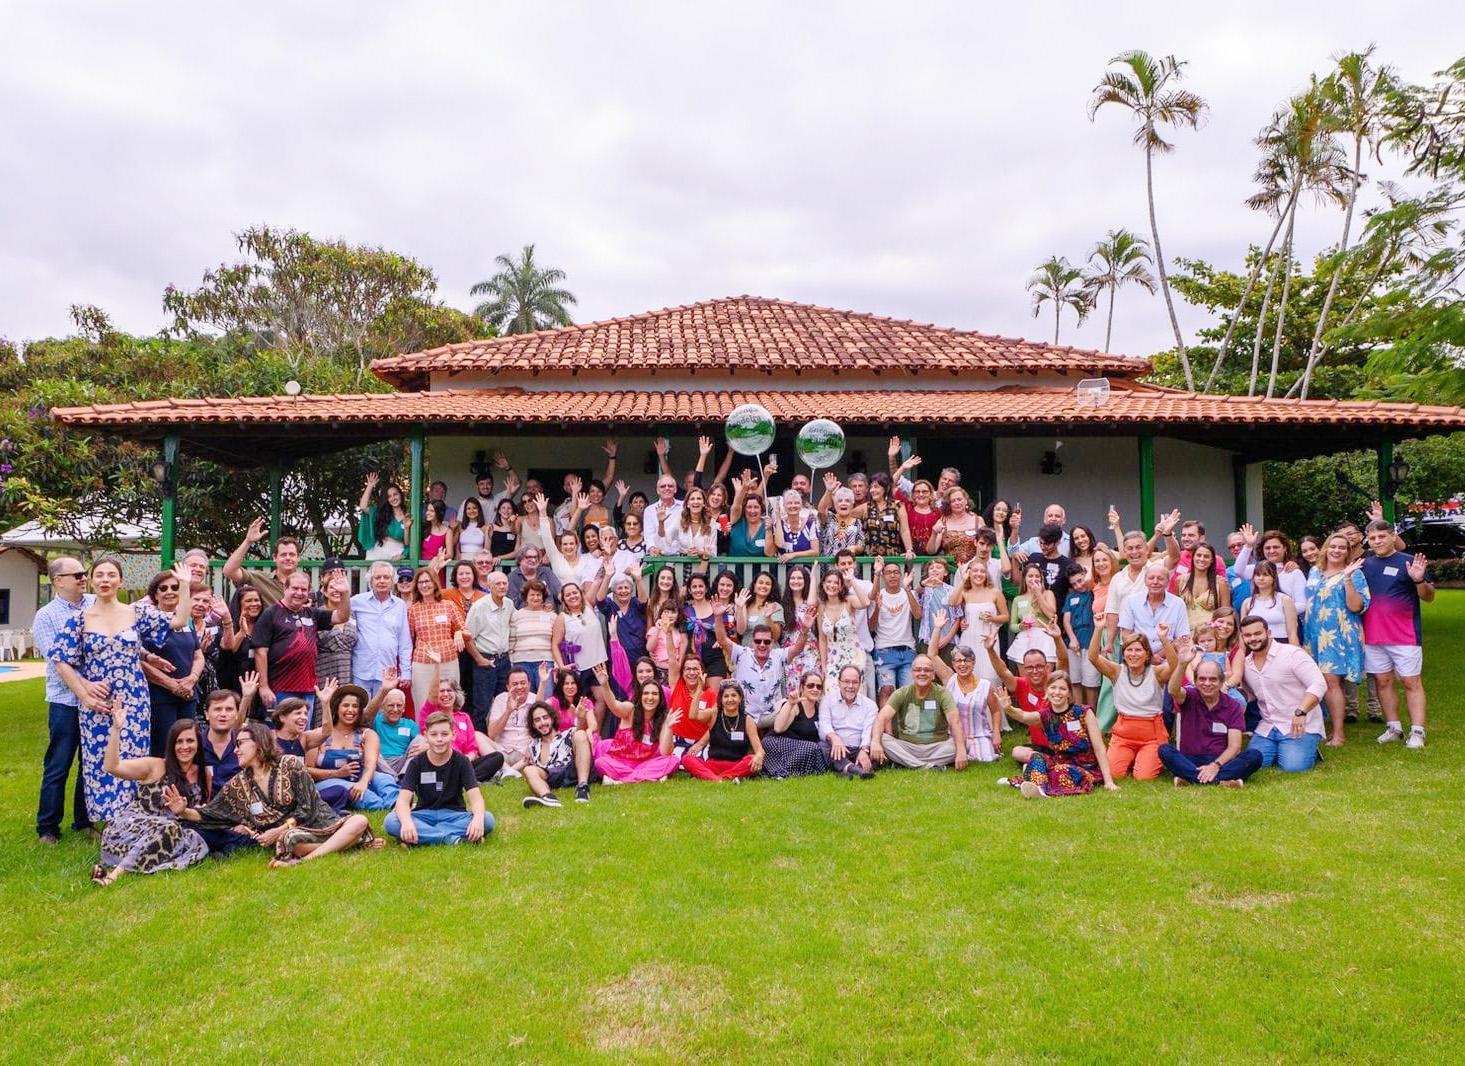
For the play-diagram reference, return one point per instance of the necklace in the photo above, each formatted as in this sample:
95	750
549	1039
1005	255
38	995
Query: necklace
1129	676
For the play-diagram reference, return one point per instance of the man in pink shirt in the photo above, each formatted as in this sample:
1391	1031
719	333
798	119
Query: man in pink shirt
1287	686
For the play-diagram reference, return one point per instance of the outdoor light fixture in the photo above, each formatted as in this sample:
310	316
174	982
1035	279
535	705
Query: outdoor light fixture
1397	472
480	466
1050	463
162	471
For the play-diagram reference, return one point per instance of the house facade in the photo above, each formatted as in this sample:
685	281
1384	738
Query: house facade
1032	423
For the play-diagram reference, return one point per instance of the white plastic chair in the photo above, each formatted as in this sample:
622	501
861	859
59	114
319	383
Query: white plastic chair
20	640
7	649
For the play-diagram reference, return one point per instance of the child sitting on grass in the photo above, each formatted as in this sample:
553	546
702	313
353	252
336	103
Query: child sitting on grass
438	780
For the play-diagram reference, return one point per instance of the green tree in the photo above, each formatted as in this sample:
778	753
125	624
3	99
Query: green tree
1355	94
1146	89
302	298
522	296
1120	259
1059	282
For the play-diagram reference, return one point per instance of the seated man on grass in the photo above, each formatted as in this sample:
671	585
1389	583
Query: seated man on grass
438	780
1211	727
923	724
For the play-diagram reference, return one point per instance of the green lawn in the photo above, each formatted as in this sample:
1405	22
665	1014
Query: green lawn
918	917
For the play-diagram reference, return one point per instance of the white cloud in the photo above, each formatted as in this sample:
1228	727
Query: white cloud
913	160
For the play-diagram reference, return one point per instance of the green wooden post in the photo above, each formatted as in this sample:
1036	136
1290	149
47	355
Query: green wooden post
1147	483
1238	486
170	496
1386	460
414	503
277	479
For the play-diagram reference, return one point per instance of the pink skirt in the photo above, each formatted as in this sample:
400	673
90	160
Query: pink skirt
622	769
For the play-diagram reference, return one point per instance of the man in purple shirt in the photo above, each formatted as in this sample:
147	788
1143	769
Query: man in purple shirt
1211	724
1287	686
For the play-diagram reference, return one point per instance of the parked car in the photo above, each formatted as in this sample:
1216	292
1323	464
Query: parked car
1437	538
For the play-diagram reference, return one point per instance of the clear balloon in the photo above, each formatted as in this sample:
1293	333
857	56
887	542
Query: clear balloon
749	429
820	444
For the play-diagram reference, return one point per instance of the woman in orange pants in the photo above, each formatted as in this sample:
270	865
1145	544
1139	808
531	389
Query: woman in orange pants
732	746
1139	697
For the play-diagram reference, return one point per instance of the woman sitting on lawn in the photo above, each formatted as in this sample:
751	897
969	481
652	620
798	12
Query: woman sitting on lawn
732	744
1139	700
971	692
1075	760
145	836
793	749
273	801
641	749
487	760
572	707
558	758
346	760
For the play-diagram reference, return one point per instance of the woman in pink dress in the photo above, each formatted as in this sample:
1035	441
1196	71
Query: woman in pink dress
641	749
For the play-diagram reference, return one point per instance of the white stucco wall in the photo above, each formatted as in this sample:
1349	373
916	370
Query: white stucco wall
21	576
1100	471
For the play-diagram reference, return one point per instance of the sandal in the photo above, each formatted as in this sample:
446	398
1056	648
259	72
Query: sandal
99	875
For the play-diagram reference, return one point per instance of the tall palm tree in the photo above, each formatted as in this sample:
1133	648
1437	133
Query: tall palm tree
1300	143
1146	89
1059	282
1120	259
522	297
1357	93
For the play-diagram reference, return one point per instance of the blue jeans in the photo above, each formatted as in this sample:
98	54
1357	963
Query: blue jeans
1246	763
437	827
488	682
61	751
1292	755
893	666
381	792
372	686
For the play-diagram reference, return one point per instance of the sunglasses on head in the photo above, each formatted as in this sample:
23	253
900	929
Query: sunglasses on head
763	641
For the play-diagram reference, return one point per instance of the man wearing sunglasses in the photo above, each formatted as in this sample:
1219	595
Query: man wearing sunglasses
761	672
68	580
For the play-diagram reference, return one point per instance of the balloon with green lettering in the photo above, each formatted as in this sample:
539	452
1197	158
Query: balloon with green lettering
749	429
820	444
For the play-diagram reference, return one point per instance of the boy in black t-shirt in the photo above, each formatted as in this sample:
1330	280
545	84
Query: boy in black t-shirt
438	780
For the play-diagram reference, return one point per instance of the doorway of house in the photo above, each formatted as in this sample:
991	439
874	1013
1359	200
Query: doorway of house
974	457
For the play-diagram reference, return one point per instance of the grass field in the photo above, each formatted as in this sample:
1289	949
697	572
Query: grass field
919	917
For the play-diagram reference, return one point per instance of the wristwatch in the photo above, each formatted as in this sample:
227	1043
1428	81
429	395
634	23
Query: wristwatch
1299	713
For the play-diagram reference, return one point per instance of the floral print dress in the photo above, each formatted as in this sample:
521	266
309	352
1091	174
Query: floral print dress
1069	767
1333	633
115	660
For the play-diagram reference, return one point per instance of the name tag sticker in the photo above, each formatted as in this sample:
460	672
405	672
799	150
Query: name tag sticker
441	619
890	519
736	734
404	731
1218	727
307	621
1074	727
429	777
128	634
930	705
256	808
1391	571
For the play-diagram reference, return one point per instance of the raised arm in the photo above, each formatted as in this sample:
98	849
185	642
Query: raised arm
143	769
233	566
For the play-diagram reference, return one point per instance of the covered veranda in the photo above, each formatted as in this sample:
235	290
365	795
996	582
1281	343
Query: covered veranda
1124	433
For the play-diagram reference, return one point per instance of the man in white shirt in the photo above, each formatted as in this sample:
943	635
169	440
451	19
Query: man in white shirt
846	717
382	635
662	519
508	721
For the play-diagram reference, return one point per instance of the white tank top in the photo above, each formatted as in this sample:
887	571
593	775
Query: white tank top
1143	700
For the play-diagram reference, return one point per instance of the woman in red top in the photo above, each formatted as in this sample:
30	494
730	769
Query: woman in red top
920	511
436	625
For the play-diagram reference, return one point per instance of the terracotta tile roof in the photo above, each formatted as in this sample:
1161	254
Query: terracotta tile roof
752	334
1009	406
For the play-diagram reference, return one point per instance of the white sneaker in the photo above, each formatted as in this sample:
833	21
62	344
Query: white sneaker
1391	734
1415	740
1030	790
1009	782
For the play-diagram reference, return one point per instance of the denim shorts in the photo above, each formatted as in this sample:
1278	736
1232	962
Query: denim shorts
893	666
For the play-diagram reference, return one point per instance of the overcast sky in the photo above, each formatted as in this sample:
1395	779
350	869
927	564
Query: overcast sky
911	159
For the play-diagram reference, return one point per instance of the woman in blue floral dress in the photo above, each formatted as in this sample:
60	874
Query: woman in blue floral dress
97	655
1337	594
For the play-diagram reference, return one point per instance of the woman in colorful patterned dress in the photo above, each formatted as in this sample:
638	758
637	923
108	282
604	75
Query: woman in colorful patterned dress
1076	759
839	647
273	801
97	653
145	836
1337	595
887	529
800	608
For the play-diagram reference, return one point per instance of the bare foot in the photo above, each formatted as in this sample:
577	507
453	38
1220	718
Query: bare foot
377	842
278	863
1335	742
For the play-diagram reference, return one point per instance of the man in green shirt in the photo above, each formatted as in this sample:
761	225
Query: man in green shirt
919	726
